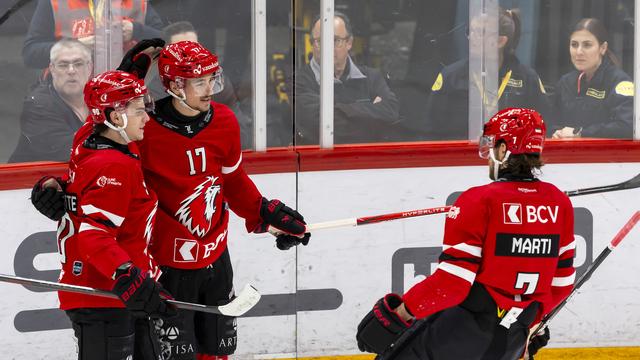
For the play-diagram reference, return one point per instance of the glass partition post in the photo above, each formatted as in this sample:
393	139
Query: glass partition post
483	63
326	73
108	36
636	73
259	71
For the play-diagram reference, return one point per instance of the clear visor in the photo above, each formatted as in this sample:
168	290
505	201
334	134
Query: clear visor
485	146
137	106
207	85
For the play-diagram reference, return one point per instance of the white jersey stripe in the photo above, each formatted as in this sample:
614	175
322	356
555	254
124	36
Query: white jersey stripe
458	271
85	227
564	249
229	170
464	247
90	209
564	281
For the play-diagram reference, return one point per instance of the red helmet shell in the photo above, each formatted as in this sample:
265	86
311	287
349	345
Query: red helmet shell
522	130
111	89
187	60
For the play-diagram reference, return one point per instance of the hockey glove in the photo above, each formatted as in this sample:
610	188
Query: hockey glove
382	326
538	342
275	214
142	295
139	58
286	242
49	200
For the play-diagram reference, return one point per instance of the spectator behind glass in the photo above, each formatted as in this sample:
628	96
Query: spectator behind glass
54	109
56	19
595	99
184	31
365	110
518	85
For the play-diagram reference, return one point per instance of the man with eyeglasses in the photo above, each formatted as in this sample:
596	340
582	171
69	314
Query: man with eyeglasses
54	109
366	110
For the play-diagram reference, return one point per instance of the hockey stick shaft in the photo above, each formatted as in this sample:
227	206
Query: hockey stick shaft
15	7
247	298
626	185
592	268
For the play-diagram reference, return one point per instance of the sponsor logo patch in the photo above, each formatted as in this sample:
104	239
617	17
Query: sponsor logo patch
598	94
512	213
514	83
625	88
77	268
104	181
185	250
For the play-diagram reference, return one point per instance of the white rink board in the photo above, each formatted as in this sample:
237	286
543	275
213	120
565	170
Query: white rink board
357	261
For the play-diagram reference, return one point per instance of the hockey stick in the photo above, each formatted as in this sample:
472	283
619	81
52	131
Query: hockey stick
15	7
587	275
246	299
625	185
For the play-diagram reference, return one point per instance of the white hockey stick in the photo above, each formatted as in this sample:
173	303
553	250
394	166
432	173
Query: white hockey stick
246	299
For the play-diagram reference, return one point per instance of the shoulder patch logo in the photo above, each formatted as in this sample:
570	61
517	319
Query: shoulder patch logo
104	181
437	85
625	88
196	211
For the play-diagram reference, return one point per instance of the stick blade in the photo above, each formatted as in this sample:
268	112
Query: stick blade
245	301
632	183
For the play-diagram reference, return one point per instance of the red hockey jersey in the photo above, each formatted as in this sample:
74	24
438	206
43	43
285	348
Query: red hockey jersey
195	169
514	237
109	218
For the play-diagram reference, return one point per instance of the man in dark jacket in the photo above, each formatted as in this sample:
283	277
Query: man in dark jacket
54	109
365	110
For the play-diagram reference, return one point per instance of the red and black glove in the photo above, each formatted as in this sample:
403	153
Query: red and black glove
49	201
137	62
284	220
142	295
382	326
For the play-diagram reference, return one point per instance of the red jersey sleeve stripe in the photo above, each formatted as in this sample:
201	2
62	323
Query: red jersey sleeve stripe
86	227
90	209
466	248
564	281
458	271
230	169
570	246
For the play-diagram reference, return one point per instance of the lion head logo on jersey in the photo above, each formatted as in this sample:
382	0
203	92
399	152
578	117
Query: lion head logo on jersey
197	210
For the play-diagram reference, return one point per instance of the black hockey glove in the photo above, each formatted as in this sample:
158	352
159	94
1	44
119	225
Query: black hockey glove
537	342
48	201
286	242
282	218
142	295
382	326
139	58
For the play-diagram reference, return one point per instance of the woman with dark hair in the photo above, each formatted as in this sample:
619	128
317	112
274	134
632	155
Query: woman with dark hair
595	99
519	85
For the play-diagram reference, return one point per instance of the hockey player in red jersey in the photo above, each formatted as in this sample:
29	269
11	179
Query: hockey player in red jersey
507	260
191	158
103	236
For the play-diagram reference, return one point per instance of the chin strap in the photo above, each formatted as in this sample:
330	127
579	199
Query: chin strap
120	129
182	99
497	163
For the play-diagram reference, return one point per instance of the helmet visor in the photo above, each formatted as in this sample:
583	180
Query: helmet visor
486	145
207	85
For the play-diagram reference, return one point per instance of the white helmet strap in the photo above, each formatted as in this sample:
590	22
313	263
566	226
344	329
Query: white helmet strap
496	162
120	129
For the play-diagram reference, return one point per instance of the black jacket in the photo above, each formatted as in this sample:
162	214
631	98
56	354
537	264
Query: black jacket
41	34
356	118
602	107
448	106
47	126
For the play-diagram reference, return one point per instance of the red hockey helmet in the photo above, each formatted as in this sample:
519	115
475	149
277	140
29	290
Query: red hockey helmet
113	89
522	130
186	60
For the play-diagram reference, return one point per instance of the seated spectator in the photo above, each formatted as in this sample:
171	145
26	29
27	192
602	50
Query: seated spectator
595	99
519	86
56	19
55	109
184	31
365	110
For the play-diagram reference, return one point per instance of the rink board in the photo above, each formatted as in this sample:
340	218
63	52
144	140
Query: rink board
338	277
